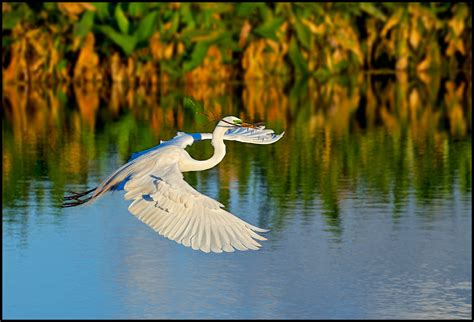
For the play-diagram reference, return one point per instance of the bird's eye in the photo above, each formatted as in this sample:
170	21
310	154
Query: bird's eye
237	121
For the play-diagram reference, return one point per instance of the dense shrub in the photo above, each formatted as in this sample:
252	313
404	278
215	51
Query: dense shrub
146	42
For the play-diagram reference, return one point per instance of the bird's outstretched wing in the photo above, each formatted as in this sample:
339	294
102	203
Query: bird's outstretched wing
255	135
170	206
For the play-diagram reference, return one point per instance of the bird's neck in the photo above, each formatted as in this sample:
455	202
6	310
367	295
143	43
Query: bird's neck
219	153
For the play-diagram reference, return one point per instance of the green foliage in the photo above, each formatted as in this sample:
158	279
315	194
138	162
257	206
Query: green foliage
126	42
269	28
85	24
304	35
10	19
146	26
134	30
121	19
102	9
296	58
199	52
315	38
373	10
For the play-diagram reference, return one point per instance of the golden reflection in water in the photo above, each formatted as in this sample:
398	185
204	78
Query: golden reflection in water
57	132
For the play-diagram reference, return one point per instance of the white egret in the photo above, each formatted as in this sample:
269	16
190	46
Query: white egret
153	179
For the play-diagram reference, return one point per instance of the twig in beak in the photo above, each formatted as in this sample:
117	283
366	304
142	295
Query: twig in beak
245	124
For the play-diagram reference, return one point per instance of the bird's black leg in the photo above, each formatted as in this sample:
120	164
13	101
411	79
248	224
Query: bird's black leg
74	203
76	195
75	198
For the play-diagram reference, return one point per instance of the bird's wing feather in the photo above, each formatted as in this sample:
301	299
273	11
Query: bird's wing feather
181	140
170	206
141	160
258	135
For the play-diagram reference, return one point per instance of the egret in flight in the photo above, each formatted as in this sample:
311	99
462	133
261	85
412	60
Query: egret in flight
153	179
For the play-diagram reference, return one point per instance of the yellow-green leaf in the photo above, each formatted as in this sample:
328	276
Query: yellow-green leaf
122	20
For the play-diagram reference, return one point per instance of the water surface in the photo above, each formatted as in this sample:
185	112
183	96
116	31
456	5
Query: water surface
368	197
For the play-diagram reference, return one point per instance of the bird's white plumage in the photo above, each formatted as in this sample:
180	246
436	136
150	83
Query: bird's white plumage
153	179
170	206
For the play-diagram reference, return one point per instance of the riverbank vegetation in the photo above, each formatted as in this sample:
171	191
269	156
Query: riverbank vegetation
149	43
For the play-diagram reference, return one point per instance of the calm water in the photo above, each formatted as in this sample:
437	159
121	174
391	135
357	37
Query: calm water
368	197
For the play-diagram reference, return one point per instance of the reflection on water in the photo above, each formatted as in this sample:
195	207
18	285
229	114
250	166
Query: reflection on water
368	196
